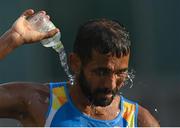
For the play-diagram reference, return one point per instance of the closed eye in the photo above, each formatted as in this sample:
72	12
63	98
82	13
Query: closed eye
102	71
122	72
106	71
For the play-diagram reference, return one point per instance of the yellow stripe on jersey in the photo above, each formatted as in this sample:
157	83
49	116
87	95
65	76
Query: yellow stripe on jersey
59	97
129	113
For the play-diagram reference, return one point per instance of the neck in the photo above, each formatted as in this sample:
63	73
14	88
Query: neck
98	112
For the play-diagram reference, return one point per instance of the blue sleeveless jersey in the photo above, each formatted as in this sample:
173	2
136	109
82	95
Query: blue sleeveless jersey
63	113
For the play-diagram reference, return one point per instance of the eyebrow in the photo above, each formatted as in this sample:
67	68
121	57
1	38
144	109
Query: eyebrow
119	70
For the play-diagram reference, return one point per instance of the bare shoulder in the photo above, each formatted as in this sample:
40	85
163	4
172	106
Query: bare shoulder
24	84
145	119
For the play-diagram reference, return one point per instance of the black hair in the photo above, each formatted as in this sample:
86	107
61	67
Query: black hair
102	35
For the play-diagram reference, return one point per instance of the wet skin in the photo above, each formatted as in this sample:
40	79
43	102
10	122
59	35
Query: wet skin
28	102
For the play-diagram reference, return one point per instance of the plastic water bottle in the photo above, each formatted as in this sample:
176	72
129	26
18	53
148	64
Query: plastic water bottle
42	23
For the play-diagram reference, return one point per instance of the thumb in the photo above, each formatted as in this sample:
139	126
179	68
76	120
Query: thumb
27	13
50	33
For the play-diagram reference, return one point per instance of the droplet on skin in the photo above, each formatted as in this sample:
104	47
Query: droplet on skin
46	100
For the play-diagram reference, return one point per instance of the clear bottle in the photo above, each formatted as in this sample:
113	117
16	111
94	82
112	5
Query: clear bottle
42	23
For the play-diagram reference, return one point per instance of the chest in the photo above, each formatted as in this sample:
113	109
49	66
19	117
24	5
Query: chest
107	114
69	116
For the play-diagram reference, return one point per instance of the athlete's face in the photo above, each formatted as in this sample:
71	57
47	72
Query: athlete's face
101	79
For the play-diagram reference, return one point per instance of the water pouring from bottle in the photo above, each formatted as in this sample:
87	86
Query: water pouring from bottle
42	23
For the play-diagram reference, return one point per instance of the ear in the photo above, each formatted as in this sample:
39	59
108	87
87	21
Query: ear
75	63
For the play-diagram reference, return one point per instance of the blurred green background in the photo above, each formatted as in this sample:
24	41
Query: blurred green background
154	29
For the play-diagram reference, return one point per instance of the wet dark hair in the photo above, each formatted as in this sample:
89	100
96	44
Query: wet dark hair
102	35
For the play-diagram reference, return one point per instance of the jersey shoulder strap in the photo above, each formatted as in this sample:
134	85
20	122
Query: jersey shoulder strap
129	112
57	99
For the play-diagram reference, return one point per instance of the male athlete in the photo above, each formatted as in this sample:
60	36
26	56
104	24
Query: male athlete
99	62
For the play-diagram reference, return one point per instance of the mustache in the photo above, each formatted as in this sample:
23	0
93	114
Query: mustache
106	91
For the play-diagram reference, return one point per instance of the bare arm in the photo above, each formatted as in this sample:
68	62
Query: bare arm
145	119
26	102
11	101
21	33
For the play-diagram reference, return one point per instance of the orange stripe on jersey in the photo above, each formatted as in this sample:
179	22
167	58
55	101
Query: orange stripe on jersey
59	97
129	113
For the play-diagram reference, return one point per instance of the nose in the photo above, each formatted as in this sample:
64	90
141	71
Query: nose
110	81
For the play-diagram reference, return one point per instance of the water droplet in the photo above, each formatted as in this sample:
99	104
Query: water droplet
120	93
156	110
46	100
130	77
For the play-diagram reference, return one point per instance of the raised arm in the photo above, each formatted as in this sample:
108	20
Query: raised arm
145	119
20	33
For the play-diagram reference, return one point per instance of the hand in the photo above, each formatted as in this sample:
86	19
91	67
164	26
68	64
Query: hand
24	33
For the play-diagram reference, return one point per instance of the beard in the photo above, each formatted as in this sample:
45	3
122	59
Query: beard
99	96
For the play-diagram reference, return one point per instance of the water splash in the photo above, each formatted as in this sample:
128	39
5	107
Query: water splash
130	77
156	110
156	113
64	64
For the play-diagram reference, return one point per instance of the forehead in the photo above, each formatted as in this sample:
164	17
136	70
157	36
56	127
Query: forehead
108	60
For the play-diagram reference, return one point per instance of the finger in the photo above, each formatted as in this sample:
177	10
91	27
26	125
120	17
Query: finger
51	33
43	12
27	13
48	17
40	13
